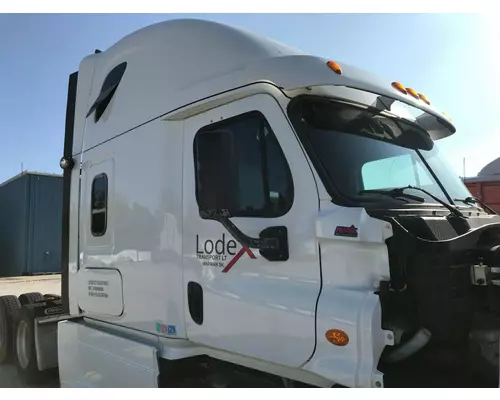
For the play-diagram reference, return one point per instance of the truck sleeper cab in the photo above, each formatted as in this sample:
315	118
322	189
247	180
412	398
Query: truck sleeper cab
264	214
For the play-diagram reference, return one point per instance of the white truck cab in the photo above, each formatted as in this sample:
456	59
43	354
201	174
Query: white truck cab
240	208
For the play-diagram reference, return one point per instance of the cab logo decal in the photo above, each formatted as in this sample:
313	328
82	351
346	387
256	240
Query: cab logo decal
346	231
221	253
235	259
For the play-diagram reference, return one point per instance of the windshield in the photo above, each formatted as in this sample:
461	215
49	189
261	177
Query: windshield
360	149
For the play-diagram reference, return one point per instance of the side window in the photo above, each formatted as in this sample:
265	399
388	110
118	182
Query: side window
99	205
264	181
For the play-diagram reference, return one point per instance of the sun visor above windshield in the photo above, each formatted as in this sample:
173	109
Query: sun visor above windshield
357	85
437	127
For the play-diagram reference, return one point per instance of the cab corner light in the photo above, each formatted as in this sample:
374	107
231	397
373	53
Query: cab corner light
334	67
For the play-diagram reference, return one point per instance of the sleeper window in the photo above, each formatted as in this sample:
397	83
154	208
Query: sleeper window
264	182
99	206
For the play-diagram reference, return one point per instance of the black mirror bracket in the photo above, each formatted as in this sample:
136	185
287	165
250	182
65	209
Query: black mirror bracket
273	241
280	234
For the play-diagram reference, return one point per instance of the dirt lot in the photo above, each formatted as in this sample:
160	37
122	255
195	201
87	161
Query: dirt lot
48	284
45	284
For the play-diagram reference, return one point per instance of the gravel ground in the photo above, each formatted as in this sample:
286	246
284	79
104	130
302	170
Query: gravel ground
10	379
45	284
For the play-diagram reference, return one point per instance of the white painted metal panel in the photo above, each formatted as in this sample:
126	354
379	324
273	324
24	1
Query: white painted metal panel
92	358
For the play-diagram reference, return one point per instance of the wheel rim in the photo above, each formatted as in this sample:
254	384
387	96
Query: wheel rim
22	344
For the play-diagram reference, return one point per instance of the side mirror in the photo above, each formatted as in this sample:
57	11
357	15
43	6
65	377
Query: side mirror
216	171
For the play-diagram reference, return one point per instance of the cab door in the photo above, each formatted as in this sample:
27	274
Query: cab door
240	299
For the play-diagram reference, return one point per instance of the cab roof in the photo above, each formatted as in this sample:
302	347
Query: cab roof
176	63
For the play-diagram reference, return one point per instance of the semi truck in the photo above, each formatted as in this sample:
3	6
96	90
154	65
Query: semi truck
240	213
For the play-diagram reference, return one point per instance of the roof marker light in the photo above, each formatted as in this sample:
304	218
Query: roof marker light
413	93
424	99
334	67
398	86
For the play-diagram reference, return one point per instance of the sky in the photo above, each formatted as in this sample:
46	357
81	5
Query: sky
451	58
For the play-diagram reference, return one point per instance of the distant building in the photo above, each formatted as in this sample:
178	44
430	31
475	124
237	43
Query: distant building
30	224
486	185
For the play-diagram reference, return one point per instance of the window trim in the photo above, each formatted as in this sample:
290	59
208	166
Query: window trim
97	211
253	114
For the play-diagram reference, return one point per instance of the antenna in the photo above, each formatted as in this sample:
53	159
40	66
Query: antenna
464	169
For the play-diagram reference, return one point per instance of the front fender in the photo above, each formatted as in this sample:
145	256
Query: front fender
357	313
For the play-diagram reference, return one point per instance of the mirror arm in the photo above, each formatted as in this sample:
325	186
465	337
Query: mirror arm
250	242
222	217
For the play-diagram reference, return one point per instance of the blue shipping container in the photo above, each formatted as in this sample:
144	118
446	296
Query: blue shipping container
30	224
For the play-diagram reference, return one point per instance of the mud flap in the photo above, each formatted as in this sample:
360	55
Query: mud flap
89	357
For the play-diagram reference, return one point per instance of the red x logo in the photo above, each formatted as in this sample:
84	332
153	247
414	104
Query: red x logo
238	255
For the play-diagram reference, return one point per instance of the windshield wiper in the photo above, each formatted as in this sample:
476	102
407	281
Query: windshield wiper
394	193
399	192
474	200
452	209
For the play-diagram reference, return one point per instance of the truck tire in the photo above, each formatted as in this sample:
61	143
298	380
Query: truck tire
30	298
24	349
9	308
